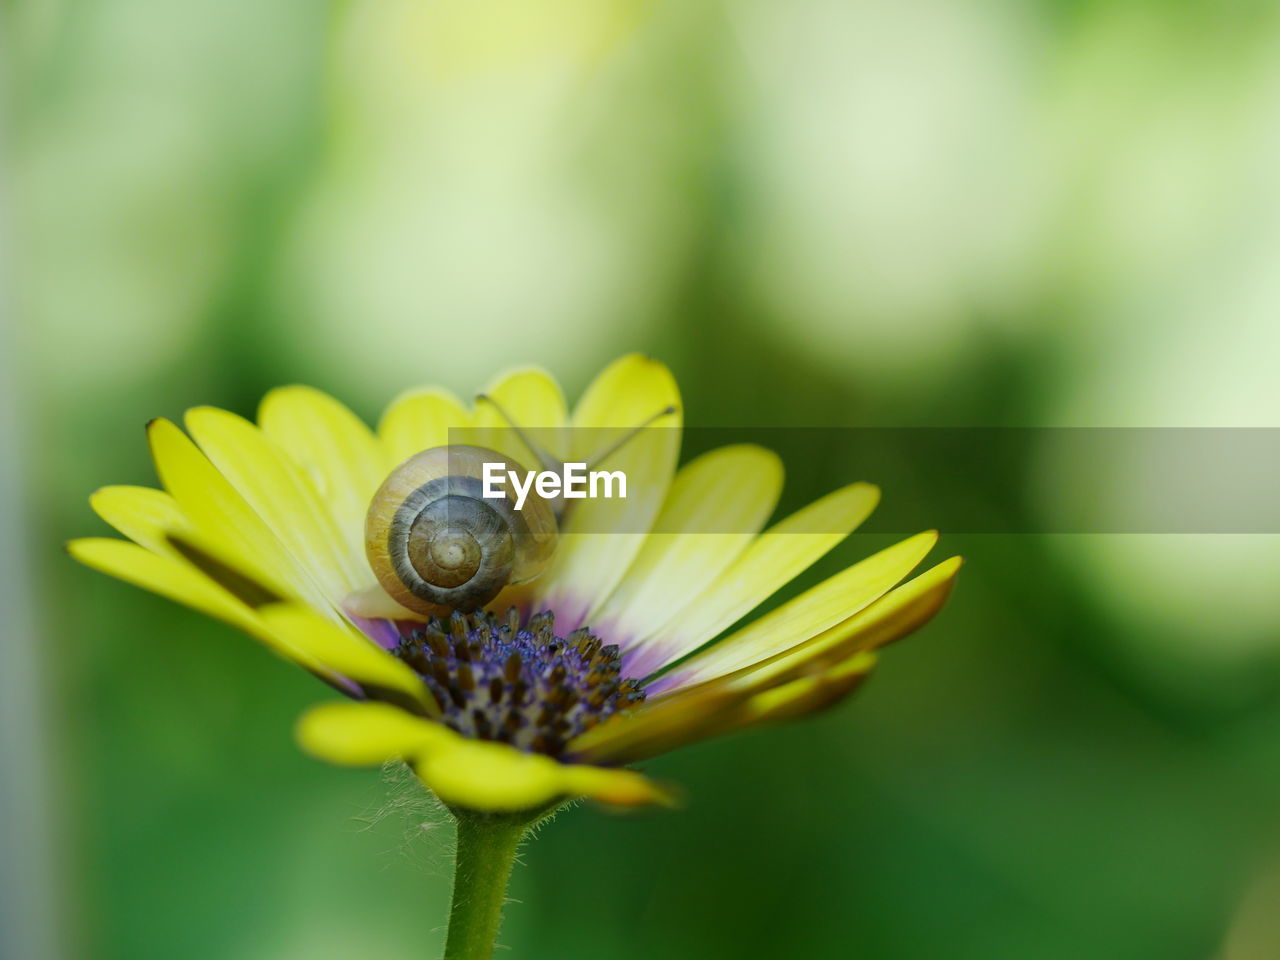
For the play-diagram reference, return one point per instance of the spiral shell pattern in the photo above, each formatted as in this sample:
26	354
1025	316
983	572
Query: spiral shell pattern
435	542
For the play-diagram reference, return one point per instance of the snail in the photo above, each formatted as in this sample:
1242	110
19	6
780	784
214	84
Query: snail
433	540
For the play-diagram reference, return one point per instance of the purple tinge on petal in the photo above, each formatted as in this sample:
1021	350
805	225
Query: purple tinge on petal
665	683
611	630
643	660
344	685
568	612
385	633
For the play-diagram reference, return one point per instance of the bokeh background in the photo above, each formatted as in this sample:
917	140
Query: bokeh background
820	213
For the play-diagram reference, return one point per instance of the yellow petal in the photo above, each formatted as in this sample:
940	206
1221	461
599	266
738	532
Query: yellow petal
809	694
144	515
175	579
712	709
602	536
419	420
346	652
619	788
480	775
806	678
890	618
661	725
154	520
474	774
210	559
212	505
165	575
627	392
535	404
773	559
367	734
333	449
274	488
831	602
716	506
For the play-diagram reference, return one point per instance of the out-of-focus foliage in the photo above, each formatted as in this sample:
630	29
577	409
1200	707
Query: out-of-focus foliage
836	212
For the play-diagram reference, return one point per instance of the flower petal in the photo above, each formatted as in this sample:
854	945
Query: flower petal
273	486
214	507
144	515
166	575
366	734
740	700
624	394
175	579
773	559
535	403
890	618
602	536
708	710
817	609
618	788
346	652
479	775
472	774
333	449
662	725
419	420
153	519
716	506
808	694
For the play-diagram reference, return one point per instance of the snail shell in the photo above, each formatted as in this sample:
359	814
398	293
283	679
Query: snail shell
435	541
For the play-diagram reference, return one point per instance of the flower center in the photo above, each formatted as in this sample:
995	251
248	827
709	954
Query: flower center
523	685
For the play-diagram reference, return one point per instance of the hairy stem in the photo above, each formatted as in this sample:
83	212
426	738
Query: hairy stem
487	846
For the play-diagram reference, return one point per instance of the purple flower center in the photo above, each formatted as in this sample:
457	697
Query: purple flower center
498	680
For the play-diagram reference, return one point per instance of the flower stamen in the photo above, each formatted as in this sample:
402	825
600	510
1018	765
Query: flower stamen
520	684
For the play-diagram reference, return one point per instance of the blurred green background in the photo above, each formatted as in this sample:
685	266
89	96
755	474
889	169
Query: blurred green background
820	213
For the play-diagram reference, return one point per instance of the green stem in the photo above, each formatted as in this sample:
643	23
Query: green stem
487	846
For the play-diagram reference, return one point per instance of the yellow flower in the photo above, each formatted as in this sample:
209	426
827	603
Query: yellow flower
605	659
